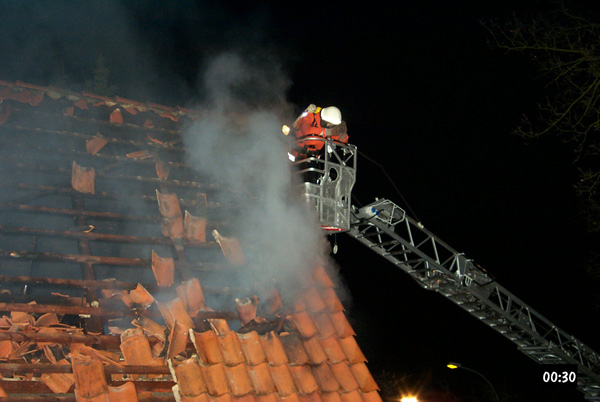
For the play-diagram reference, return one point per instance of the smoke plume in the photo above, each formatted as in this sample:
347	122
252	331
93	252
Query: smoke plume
238	143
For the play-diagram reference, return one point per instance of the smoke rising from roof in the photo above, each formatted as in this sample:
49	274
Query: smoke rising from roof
238	143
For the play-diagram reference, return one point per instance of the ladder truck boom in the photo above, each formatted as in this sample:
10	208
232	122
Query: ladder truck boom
384	228
326	182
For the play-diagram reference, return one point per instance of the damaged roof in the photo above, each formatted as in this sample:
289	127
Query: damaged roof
121	275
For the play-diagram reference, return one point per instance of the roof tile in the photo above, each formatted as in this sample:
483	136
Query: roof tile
252	348
163	269
312	397
175	310
95	144
294	349
207	346
231	347
177	340
352	350
190	293
322	277
189	378
261	379
116	116
313	299
288	398
216	379
331	397
82	178
332	349
325	378
314	350
271	397
199	398
194	228
372	396
59	383
352	396
239	381
331	300
344	376
245	398
122	393
90	380
273	349
283	380
341	324
363	377
323	324
304	378
304	324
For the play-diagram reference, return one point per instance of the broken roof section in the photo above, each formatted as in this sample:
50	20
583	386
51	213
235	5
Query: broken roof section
98	189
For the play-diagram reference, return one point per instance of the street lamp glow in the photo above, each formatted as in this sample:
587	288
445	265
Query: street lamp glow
409	399
453	365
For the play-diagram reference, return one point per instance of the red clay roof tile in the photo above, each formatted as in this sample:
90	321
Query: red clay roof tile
352	396
59	383
122	393
304	324
372	396
238	379
313	299
245	398
82	178
207	346
95	144
139	296
261	379
231	249
231	347
304	378
331	397
163	269
294	349
314	350
163	169
136	349
273	349
344	376
341	324
283	380
116	116
81	104
246	309
267	398
168	204
199	398
331	300
190	293
175	311
323	324
189	378
252	347
312	397
364	378
221	398
177	340
332	349
194	228
90	380
325	378
352	350
216	379
288	398
322	277
273	302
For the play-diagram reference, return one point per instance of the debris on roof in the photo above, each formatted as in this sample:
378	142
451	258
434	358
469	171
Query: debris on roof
162	333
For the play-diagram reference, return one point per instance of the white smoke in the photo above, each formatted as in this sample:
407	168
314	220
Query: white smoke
238	143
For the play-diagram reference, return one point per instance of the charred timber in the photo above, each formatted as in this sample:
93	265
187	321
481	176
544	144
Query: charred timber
36	368
91	236
105	284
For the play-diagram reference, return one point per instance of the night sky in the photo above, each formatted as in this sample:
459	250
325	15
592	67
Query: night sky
425	96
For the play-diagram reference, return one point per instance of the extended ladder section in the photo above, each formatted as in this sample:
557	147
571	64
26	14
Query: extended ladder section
384	228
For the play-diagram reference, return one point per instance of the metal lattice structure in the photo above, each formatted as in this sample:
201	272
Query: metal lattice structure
437	266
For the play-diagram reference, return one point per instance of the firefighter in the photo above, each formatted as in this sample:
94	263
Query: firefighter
319	122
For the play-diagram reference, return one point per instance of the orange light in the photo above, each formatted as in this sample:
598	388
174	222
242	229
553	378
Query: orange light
409	399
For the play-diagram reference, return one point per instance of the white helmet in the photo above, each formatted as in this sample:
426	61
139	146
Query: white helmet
331	115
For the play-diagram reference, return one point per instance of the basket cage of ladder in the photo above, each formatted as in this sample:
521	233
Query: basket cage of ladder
326	177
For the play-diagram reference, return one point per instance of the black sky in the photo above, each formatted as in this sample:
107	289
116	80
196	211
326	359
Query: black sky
424	95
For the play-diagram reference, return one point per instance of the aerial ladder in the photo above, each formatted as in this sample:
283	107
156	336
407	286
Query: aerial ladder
326	182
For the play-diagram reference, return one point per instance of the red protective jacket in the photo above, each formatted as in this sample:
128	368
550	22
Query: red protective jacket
310	126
